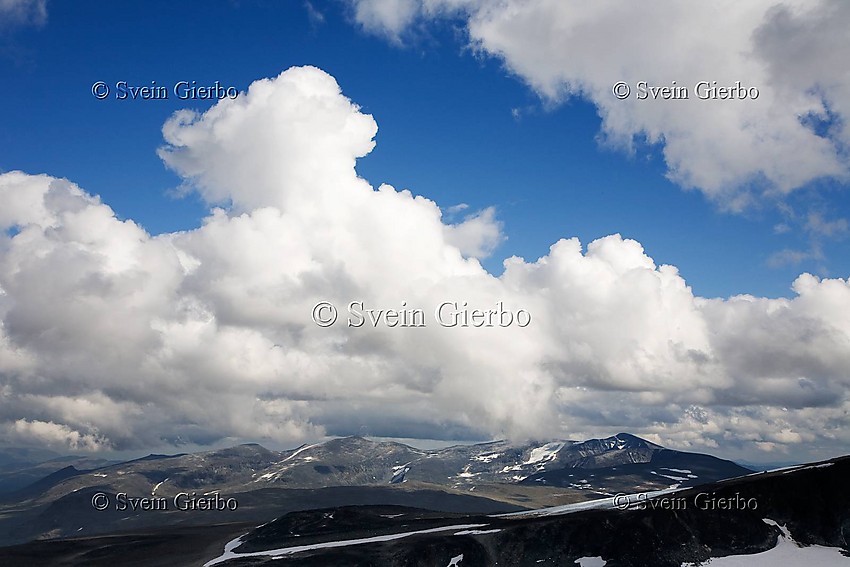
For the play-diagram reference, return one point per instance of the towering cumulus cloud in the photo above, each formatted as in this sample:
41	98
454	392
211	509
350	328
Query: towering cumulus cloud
111	337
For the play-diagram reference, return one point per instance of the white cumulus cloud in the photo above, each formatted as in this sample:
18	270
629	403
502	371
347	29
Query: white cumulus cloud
111	337
797	54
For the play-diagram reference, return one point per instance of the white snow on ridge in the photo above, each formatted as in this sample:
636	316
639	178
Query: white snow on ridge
228	551
789	468
783	470
478	532
153	492
545	453
455	561
820	466
300	450
786	552
598	503
268	476
682	471
233	544
558	510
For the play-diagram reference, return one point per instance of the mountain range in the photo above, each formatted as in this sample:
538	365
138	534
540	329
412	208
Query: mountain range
595	465
143	497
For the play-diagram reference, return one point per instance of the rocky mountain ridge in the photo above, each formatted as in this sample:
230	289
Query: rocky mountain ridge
357	461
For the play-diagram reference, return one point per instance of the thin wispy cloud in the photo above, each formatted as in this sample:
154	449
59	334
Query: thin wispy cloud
22	12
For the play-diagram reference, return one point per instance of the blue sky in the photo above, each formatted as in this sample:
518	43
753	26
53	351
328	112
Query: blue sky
446	131
502	113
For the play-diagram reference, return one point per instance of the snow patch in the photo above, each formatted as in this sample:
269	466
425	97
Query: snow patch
676	478
786	552
466	474
545	453
488	457
398	473
228	551
153	492
591	561
478	532
271	475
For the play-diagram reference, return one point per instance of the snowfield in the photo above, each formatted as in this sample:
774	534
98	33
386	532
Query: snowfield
590	562
786	552
544	453
233	544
